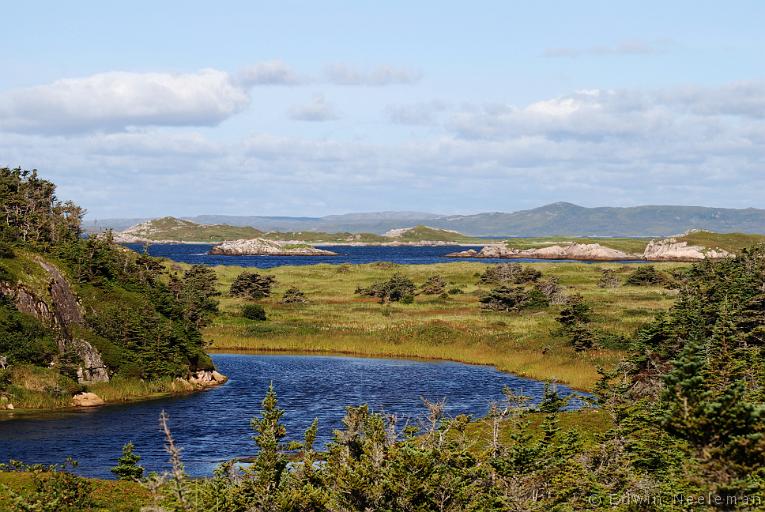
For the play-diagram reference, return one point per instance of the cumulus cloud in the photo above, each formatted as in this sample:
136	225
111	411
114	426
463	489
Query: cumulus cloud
677	145
344	74
676	112
273	72
117	100
318	110
416	114
633	47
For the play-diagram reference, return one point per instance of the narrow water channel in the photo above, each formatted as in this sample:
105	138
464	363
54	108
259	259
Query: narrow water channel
213	426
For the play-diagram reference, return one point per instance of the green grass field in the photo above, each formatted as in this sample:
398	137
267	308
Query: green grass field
337	321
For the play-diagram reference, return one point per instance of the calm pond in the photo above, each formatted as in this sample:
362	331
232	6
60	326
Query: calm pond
213	426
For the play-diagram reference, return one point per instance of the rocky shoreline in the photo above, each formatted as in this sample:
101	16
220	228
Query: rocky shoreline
668	249
199	381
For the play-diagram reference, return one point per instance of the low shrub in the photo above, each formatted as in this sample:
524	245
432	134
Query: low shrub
398	288
551	289
574	319
513	298
433	285
513	273
6	250
252	285
254	312
293	295
608	279
646	275
576	311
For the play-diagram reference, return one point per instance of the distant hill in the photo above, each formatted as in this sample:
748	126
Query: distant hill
564	219
570	219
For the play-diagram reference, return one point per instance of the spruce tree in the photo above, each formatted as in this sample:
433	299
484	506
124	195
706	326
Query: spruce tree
127	467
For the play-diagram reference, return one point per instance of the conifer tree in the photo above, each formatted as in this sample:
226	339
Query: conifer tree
127	467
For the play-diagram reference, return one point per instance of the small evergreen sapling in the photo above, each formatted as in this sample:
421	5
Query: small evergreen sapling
127	467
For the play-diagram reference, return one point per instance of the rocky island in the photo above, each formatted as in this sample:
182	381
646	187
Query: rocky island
573	251
669	249
263	247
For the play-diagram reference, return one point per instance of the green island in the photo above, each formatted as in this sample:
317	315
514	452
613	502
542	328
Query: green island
171	229
671	352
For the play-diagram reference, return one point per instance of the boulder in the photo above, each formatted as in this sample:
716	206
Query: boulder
207	378
87	400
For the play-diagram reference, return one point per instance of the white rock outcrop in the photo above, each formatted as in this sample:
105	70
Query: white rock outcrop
261	246
572	251
670	249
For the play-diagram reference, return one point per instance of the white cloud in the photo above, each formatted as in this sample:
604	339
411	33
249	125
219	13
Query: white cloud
318	110
677	113
115	101
273	72
630	47
344	74
414	114
680	145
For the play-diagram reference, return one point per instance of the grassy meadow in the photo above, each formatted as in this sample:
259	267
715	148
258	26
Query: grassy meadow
454	328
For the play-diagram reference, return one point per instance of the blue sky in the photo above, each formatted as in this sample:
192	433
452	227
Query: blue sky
314	108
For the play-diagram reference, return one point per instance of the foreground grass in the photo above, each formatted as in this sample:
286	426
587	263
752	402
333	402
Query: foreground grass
337	321
108	495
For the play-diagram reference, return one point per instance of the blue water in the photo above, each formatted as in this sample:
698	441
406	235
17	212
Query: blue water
197	254
213	426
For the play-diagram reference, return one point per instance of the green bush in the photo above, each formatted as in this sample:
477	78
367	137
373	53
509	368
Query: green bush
254	312
510	273
6	250
513	298
54	489
22	338
433	285
5	275
646	275
252	285
293	295
574	319
576	311
608	279
398	288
